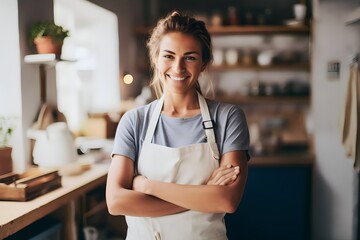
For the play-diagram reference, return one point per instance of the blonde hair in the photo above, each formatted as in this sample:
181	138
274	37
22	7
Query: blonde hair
176	22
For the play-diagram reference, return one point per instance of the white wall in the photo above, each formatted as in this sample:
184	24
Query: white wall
10	81
19	82
334	190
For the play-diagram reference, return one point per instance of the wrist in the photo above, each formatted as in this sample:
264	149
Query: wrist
147	186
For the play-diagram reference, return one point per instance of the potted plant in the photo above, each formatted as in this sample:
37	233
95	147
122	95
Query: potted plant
6	131
48	37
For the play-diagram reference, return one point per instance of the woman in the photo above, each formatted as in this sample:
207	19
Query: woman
179	163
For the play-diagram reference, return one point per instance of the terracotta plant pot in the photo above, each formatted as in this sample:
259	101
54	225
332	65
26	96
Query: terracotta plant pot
47	45
6	165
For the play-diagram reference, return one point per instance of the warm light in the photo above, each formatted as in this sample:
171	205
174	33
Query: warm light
128	79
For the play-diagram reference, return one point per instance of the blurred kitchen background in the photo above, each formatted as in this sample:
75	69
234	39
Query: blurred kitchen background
285	62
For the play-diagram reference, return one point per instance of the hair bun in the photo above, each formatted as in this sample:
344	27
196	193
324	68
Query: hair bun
175	13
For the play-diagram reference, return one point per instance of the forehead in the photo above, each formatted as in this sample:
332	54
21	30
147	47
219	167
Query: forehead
182	42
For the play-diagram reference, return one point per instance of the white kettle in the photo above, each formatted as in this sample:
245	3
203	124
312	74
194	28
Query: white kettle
54	147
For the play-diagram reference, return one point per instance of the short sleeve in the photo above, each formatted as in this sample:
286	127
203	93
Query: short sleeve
125	140
236	133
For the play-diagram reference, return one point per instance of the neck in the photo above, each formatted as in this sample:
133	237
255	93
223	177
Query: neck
181	105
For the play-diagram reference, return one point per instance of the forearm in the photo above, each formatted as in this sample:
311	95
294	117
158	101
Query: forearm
132	203
203	198
122	200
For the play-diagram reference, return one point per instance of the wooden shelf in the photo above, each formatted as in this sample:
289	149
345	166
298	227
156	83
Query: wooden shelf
225	30
258	30
264	99
283	159
274	67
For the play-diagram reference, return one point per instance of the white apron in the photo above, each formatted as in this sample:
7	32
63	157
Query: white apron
192	164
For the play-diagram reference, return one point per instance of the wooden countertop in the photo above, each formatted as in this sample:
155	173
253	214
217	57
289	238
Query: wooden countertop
284	159
17	215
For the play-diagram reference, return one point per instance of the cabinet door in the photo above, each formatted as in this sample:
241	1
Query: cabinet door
276	205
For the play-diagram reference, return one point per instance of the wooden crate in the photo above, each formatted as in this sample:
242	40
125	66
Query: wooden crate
28	185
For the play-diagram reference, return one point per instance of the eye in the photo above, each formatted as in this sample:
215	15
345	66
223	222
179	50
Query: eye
190	58
168	56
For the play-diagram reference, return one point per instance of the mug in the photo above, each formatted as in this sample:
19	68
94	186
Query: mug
218	56
231	56
299	11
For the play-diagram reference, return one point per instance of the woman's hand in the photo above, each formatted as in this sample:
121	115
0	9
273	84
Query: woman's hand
224	175
139	182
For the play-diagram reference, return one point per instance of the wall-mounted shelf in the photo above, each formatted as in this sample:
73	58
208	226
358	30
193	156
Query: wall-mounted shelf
273	67
43	60
224	30
258	30
264	99
46	59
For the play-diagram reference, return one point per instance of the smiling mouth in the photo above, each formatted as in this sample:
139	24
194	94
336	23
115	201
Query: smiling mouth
177	78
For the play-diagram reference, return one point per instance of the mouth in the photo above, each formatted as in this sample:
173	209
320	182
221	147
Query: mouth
177	78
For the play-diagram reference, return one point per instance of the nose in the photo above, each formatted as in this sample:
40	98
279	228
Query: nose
178	66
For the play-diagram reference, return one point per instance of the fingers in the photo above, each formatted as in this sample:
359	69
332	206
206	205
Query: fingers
228	176
224	175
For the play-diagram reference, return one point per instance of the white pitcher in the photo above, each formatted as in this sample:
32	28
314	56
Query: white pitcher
54	147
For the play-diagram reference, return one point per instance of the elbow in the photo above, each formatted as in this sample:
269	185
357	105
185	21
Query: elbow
114	206
230	207
230	202
112	211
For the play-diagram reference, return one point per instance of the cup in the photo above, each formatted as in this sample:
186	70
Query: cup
299	11
218	56
231	56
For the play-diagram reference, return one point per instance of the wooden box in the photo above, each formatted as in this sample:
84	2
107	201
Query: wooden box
28	185
101	125
6	165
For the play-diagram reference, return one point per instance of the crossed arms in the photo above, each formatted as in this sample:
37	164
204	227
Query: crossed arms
126	195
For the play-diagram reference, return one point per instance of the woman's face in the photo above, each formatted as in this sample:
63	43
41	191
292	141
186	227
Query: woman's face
179	62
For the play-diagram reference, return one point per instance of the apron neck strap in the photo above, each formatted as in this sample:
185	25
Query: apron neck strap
208	125
154	119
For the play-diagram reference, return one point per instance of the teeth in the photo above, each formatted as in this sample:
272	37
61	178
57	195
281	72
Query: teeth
177	78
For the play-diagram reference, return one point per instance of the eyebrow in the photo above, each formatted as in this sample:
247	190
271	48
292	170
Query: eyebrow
187	53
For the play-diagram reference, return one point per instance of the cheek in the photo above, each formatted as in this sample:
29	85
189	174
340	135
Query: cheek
160	65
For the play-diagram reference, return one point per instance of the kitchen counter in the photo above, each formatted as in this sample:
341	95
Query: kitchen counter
283	159
17	215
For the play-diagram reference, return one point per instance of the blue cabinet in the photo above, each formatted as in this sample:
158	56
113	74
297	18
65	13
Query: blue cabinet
276	205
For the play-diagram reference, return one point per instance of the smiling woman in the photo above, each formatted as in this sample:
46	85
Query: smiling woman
173	155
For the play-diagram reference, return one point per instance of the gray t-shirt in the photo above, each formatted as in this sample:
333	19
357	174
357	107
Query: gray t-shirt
231	130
